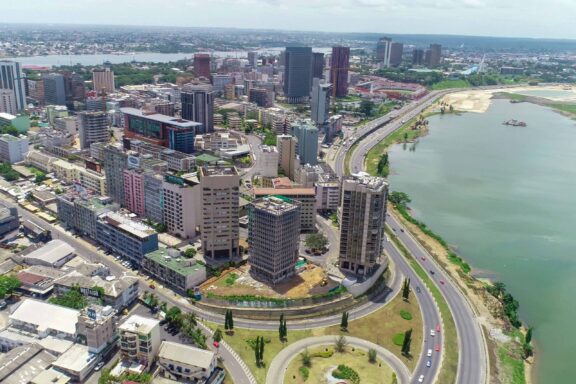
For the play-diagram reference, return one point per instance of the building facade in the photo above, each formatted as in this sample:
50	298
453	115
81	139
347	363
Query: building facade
115	162
383	51
93	128
198	106
306	135
103	80
286	145
13	149
339	66
320	101
140	339
306	197
396	53
297	74
202	65
181	199
12	80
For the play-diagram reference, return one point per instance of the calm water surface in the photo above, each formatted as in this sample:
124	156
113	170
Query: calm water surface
506	198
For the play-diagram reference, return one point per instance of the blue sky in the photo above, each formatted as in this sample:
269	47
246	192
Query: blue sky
519	18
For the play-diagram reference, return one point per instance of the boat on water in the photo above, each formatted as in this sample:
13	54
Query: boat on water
514	123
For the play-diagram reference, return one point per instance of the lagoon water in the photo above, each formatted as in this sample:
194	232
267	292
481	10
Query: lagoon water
505	197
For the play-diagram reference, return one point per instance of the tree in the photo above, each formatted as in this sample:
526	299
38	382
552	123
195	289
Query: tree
406	289
340	344
72	299
174	316
10	130
217	335
190	253
406	343
228	321
8	284
366	107
164	307
399	199
372	355
344	321
257	351
498	289
528	338
305	358
261	353
316	241
190	319
382	169
282	329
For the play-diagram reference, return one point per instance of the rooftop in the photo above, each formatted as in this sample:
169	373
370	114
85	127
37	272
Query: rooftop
112	288
75	359
139	324
218	170
179	264
285	191
53	316
372	182
52	252
125	223
275	204
186	354
22	364
177	122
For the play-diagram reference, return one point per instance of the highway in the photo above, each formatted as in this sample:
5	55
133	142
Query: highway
472	363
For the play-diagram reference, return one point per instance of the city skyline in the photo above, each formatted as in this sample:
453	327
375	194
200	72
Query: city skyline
445	17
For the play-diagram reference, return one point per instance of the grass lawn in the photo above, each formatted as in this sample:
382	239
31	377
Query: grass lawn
514	96
378	372
570	108
512	365
389	323
448	84
450	363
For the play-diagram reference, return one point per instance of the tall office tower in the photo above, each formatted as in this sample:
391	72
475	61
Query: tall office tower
261	97
307	146
54	89
383	48
115	162
202	65
103	80
198	106
220	204
418	56
435	55
297	74
286	145
8	101
93	128
339	66
361	215
12	79
396	51
253	59
318	65
273	233
320	101
134	194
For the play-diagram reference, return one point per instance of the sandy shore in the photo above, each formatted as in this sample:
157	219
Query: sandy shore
478	101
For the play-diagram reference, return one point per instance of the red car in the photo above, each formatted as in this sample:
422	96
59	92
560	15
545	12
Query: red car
216	344
423	258
442	282
438	328
437	348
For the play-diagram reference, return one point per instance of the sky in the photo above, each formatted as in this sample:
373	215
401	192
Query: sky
513	18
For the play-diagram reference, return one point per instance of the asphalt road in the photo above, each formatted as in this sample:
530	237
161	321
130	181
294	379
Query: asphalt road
280	363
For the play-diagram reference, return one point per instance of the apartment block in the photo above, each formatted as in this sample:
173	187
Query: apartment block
182	202
140	339
134	191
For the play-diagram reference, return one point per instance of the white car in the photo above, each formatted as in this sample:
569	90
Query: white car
429	363
421	379
432	333
429	354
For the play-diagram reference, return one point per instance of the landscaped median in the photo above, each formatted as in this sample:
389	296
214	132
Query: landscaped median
390	321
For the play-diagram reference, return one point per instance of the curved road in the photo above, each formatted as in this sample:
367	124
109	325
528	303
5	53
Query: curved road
280	363
472	363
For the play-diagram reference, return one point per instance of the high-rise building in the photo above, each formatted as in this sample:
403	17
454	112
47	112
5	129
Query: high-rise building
198	106
93	128
434	55
286	145
396	52
8	102
306	135
13	149
12	79
273	233
318	65
202	65
220	82
320	101
417	56
297	74
115	162
54	89
134	196
261	97
339	66
103	80
253	59
220	204
383	48
153	197
181	206
362	215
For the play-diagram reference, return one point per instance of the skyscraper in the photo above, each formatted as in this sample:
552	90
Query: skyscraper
220	203
54	89
198	105
320	101
93	128
297	74
434	55
318	65
396	52
286	145
202	65
103	80
306	135
362	216
115	162
134	191
339	70
273	233
8	101
253	59
12	80
418	56
383	48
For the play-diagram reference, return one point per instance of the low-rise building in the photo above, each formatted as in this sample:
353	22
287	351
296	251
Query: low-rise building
9	220
175	271
77	362
184	363
24	363
13	149
140	340
80	211
53	254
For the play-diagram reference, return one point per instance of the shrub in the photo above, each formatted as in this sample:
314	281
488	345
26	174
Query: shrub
372	356
405	315
323	354
398	339
304	372
346	373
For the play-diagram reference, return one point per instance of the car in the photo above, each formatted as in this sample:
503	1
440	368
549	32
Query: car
431	272
423	258
437	348
421	379
429	354
429	363
418	289
99	366
401	229
432	333
442	282
438	328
